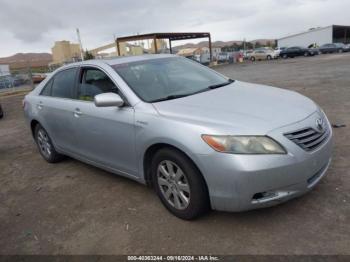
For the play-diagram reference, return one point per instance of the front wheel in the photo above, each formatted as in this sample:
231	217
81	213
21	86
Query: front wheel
306	54
179	184
252	58
269	57
45	145
284	56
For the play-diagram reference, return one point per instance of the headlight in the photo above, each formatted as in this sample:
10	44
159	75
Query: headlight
244	144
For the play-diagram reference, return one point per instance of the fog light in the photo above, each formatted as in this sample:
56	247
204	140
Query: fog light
261	195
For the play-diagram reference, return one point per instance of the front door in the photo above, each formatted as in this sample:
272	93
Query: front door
105	135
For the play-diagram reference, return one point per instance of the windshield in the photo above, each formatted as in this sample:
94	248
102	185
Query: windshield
168	78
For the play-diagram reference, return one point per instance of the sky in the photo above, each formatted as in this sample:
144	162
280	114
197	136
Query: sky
34	25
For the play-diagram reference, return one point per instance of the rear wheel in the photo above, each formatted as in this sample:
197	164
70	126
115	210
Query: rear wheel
284	56
252	58
306	54
268	57
179	184
45	145
340	51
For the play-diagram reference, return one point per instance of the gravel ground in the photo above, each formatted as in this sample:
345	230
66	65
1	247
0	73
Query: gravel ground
74	208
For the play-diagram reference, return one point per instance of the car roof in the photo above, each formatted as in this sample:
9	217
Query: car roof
119	60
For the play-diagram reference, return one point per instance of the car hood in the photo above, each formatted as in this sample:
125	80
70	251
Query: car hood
240	107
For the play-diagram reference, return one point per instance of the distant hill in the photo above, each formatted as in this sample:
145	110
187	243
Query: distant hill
221	43
22	60
263	41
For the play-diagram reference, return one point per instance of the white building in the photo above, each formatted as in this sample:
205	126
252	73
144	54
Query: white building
320	36
4	70
216	51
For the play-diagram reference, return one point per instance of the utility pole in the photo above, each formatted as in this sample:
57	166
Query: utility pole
81	46
30	75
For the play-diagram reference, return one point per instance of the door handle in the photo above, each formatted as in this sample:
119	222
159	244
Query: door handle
77	112
40	105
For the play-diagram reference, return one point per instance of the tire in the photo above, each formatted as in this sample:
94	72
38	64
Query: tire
340	51
306	54
284	56
45	146
187	202
252	58
268	57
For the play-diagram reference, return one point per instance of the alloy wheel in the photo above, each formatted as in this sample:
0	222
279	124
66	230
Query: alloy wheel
173	184
44	143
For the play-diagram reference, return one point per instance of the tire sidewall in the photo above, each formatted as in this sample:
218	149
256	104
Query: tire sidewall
198	192
54	156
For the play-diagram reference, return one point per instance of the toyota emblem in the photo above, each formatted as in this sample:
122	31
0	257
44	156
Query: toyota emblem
319	124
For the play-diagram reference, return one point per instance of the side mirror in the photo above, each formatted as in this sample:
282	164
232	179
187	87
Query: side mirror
108	99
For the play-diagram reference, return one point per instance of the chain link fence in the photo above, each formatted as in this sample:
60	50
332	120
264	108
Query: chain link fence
19	80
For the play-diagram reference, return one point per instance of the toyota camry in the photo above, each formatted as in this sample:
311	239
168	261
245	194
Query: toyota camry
201	140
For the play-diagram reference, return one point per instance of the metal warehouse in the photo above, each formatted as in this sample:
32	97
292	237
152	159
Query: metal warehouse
320	36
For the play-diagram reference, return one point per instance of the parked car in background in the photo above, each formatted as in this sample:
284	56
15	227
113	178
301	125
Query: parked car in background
200	139
11	81
247	54
333	48
6	82
37	78
263	54
223	57
297	51
314	47
278	50
342	47
202	58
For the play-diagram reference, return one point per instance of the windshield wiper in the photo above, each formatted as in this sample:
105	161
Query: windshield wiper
170	97
221	84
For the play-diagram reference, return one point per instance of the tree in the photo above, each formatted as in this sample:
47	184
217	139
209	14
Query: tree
88	55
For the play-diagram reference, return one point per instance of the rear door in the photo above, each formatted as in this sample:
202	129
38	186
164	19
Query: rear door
292	51
56	106
298	51
105	135
327	48
334	48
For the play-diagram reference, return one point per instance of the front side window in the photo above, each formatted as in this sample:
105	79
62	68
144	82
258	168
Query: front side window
63	83
168	78
93	82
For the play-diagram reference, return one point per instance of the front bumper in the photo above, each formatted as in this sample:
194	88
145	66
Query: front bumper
243	182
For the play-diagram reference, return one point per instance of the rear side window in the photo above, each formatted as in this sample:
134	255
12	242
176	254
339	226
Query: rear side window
47	88
63	83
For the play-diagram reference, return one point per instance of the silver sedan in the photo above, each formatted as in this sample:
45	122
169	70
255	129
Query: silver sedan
200	139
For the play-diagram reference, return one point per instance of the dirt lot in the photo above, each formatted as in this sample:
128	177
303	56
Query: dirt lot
74	208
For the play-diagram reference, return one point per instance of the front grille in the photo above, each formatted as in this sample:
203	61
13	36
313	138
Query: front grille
309	138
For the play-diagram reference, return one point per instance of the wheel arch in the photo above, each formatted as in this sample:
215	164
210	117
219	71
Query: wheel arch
151	151
33	124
